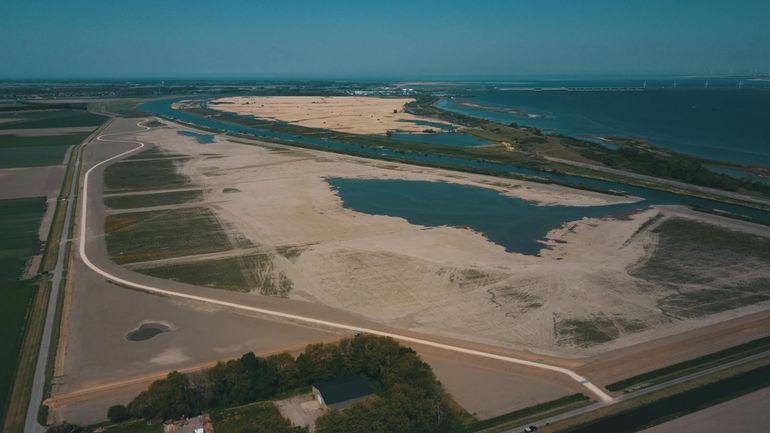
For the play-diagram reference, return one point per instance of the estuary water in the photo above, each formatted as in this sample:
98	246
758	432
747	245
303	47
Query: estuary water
721	124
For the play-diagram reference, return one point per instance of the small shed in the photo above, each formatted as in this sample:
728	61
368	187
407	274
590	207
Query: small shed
342	392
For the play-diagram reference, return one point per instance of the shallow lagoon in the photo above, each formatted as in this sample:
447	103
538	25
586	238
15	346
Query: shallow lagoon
201	138
517	225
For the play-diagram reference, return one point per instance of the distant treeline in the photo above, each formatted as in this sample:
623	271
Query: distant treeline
410	397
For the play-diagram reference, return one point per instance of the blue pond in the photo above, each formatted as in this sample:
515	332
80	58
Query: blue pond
202	138
515	224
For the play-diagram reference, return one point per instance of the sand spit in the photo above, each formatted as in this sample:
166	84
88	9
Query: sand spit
444	280
351	114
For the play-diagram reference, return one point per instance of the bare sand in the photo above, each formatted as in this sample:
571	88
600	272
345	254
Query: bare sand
351	114
444	281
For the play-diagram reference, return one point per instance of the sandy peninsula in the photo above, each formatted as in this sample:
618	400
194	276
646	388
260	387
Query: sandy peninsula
350	114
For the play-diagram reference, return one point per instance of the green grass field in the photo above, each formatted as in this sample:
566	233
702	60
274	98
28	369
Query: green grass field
255	418
143	236
21	151
242	273
709	269
128	176
149	200
19	223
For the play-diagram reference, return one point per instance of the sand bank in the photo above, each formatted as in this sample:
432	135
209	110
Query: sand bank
351	114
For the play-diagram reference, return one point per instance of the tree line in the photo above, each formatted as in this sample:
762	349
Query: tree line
410	398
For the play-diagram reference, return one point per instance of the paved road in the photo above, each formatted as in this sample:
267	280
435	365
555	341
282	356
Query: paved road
590	387
673	183
38	382
644	391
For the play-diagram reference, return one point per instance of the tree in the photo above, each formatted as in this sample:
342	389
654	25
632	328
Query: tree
168	398
118	413
65	428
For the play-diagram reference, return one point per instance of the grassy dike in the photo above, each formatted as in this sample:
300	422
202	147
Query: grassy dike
695	365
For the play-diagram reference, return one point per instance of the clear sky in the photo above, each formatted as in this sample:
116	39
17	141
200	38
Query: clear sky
379	39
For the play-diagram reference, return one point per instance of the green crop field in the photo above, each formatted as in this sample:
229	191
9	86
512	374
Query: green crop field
19	223
36	151
127	176
153	235
149	200
51	119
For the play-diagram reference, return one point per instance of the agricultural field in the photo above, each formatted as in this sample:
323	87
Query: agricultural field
242	273
36	151
19	223
134	201
49	119
153	235
144	175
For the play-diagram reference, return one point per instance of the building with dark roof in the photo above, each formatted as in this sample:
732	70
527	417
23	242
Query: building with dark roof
342	392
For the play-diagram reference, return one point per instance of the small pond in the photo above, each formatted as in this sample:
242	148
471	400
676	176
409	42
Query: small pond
147	330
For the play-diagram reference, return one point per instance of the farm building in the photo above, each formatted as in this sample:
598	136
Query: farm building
342	392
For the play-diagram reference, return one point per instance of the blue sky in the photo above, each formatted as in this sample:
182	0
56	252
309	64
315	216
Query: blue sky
368	39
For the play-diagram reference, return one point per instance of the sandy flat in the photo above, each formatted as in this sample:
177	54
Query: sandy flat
351	114
445	281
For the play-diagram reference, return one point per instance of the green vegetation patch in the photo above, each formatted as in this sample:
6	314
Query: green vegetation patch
154	153
51	119
593	330
664	374
539	411
128	176
141	426
36	151
19	224
242	273
703	302
254	418
144	236
710	269
149	200
515	297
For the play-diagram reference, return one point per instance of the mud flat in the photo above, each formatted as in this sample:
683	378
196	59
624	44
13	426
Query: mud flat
351	114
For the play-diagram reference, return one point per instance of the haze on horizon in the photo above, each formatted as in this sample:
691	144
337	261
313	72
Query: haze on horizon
349	39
